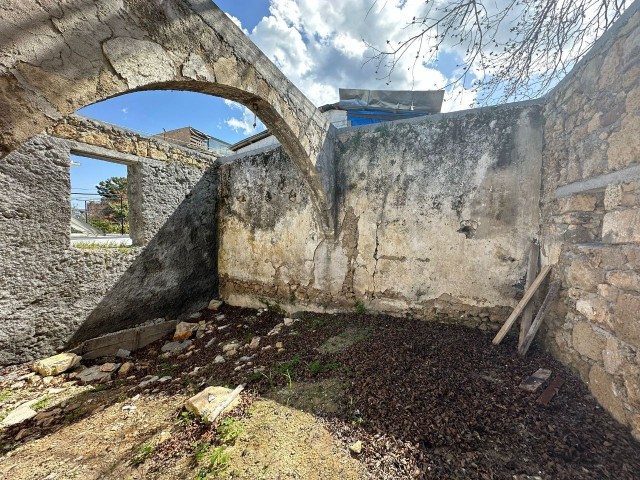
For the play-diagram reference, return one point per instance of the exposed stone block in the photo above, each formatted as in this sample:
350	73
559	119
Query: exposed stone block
631	375
577	203
595	309
625	319
587	341
624	280
621	226
612	356
607	393
581	274
612	196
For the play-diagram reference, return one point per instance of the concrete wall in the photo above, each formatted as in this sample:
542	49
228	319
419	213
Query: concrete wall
591	219
50	292
434	217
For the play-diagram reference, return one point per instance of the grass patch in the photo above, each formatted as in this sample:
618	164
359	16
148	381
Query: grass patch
316	367
229	430
40	404
289	366
112	246
359	307
217	461
5	394
166	369
145	450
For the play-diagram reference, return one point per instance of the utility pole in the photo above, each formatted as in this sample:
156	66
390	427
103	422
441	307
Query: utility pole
121	217
86	213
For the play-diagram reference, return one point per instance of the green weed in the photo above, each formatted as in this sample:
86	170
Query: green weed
217	462
317	367
5	394
359	307
40	404
229	430
143	453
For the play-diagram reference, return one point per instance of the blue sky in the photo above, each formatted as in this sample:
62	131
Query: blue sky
318	45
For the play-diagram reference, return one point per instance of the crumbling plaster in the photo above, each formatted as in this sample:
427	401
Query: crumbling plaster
432	214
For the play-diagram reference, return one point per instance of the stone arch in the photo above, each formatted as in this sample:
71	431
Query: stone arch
57	57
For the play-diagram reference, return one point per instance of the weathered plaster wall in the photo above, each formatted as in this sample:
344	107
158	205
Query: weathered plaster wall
591	219
51	292
434	217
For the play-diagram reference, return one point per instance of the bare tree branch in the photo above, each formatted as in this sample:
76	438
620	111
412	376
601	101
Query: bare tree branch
511	51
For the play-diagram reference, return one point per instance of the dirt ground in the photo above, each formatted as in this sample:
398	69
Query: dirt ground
425	400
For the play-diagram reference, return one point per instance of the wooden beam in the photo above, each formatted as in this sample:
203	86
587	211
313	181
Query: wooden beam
535	381
550	391
523	303
532	272
548	300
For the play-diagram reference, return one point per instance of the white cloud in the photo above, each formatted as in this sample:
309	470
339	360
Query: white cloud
320	47
245	121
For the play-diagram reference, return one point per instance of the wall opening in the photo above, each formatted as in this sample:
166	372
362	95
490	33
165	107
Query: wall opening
100	203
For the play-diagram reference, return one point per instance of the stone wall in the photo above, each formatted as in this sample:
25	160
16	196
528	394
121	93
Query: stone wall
434	217
51	292
591	220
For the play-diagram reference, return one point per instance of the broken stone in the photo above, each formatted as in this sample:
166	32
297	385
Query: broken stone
122	353
279	345
230	346
215	304
47	380
276	330
93	375
125	369
165	379
17	385
184	330
220	317
210	343
245	358
22	413
356	447
172	347
56	364
289	321
222	327
280	350
218	359
205	403
22	434
151	380
255	343
109	367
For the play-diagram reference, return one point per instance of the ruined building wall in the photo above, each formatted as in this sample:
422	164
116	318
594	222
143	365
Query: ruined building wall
434	217
591	220
51	292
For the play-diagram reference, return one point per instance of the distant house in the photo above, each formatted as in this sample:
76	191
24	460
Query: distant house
192	138
362	107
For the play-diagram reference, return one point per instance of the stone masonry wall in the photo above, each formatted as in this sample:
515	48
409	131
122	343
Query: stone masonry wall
434	218
51	292
591	219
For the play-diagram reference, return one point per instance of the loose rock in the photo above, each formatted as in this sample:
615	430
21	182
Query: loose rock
205	403
172	347
56	364
356	447
184	330
93	375
215	304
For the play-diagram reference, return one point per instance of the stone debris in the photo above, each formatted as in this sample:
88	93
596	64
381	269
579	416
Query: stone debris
276	330
149	381
210	343
184	330
22	434
255	343
232	346
220	317
173	347
222	327
245	358
109	367
205	403
165	379
125	369
93	375
22	413
356	447
215	304
279	345
289	321
202	325
122	353
56	364
218	359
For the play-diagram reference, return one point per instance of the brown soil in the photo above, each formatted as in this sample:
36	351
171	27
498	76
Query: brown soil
427	400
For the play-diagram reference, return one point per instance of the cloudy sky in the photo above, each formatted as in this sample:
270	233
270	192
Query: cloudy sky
318	44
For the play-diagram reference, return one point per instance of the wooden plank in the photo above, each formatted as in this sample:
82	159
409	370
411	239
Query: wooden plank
544	308
533	382
523	303
550	391
130	339
532	272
